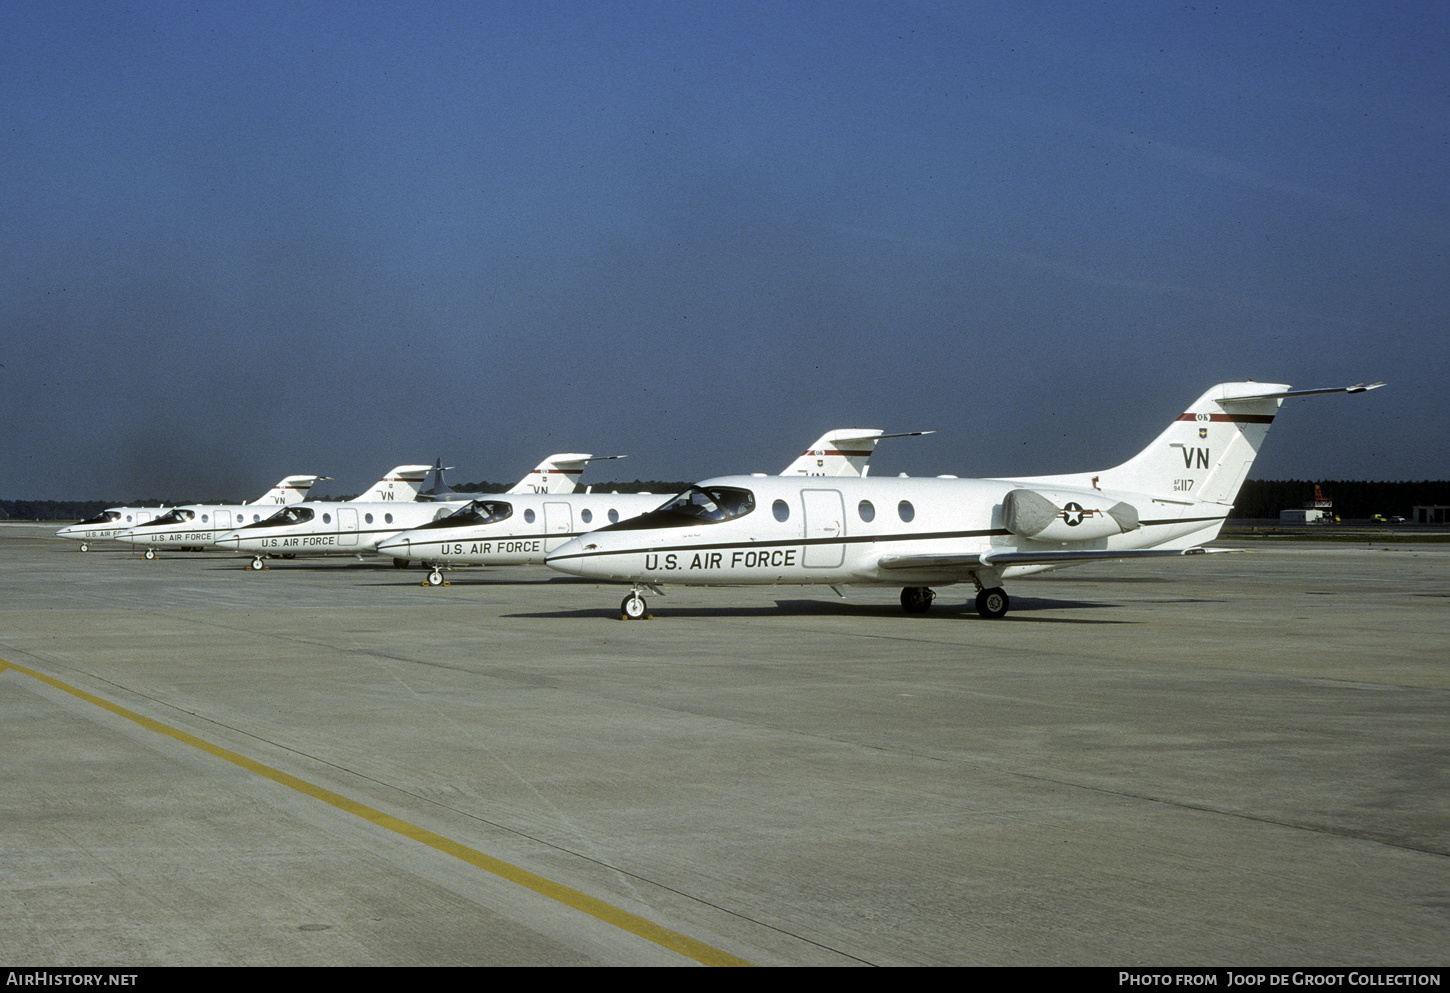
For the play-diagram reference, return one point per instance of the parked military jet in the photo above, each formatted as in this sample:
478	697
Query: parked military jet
920	533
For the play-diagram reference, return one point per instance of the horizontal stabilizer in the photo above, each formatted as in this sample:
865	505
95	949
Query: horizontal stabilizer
1284	394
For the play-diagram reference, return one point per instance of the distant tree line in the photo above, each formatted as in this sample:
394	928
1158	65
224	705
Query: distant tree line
1258	498
1266	497
51	510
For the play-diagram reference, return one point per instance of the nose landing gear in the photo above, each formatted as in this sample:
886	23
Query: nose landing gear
633	607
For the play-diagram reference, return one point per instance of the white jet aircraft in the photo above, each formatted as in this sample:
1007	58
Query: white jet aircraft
107	524
918	533
521	531
357	526
112	522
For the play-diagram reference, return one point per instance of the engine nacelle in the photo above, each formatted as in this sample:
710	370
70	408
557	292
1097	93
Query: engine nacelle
1029	514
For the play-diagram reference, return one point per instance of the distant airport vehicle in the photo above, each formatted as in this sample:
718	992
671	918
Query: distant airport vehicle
521	530
919	533
111	522
355	527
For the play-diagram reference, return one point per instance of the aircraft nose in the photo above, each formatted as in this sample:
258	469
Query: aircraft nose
230	540
566	558
397	547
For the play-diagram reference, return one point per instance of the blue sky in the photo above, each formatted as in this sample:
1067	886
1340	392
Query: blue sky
244	240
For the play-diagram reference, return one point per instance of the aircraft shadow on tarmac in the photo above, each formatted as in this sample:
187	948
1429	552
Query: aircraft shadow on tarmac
1023	609
947	607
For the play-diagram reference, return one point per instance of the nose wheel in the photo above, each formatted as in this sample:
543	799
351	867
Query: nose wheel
150	553
257	564
435	578
633	607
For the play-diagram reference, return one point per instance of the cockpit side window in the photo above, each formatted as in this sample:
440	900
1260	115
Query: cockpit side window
177	516
474	513
286	516
696	505
717	503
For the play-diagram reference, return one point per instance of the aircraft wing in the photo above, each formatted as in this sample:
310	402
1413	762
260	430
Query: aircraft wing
954	560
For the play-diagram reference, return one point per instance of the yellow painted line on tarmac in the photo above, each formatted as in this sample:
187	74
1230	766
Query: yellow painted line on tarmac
608	913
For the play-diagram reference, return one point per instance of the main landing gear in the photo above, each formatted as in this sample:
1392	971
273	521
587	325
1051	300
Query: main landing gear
993	603
917	599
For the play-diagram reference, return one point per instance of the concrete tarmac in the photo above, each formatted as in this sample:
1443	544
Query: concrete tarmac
1233	760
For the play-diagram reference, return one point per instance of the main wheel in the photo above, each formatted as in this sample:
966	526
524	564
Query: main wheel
917	599
993	603
435	578
633	607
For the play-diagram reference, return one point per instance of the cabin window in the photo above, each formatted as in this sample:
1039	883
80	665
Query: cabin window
586	516
781	510
326	518
203	518
529	516
388	518
906	511
866	510
368	518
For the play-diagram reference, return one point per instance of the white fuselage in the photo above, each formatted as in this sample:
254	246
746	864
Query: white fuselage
331	528
108	523
192	526
514	528
849	531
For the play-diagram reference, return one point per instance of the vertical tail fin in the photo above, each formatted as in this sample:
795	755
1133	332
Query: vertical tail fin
438	490
843	452
1205	454
292	489
400	485
559	473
